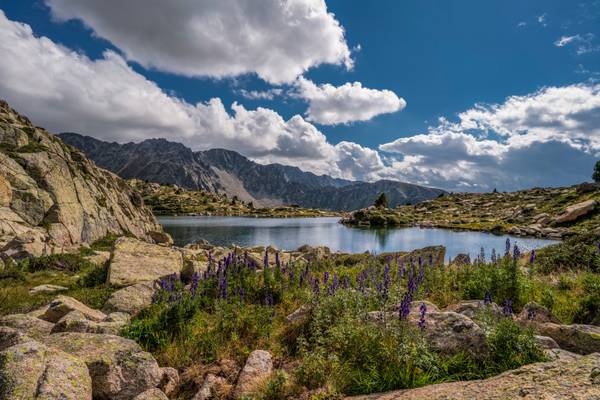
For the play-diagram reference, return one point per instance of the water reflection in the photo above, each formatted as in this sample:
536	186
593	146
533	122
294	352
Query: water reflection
291	233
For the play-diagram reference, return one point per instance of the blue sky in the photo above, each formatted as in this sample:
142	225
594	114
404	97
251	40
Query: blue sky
414	62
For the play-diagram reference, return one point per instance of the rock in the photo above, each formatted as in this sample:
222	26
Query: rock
461	259
300	314
258	366
476	309
162	238
546	342
210	387
542	218
63	305
134	261
47	289
118	317
450	333
99	258
57	192
30	244
191	267
75	321
580	339
587	187
132	299
537	313
32	370
560	354
550	380
170	381
151	394
11	336
119	368
576	211
28	325
314	253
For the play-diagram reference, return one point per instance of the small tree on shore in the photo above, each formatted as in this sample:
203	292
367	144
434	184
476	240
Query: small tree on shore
596	175
382	201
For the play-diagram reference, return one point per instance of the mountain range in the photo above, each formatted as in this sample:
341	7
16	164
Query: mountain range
226	171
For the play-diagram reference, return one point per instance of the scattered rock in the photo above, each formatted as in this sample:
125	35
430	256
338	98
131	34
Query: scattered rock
162	238
134	261
552	380
152	394
119	368
476	309
580	339
461	259
170	381
258	366
99	258
11	336
546	342
132	299
587	187
560	354
576	211
535	312
75	321
28	325
32	370
47	289
210	387
63	305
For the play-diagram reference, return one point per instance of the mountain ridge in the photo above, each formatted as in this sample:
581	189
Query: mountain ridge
226	171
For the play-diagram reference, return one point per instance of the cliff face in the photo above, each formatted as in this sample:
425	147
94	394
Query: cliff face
225	171
51	193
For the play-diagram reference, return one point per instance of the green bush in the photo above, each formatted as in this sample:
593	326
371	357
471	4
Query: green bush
589	307
511	347
578	252
58	262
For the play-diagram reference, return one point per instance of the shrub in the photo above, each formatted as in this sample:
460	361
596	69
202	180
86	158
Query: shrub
511	347
58	262
578	252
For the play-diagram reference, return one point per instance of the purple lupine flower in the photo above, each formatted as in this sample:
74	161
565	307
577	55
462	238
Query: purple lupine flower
266	260
241	293
493	256
487	298
482	255
386	281
194	286
507	309
277	262
516	253
401	271
405	306
598	247
423	310
316	287
507	250
346	283
430	259
530	314
532	257
325	277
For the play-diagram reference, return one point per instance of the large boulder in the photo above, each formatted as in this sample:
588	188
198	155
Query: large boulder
75	321
32	370
211	386
580	339
132	299
258	366
11	336
151	394
63	305
559	379
576	211
119	368
477	309
134	261
28	325
535	312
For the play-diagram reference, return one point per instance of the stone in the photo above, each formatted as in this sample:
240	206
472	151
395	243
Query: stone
30	244
159	237
119	368
461	259
134	261
75	321
550	380
131	299
11	336
535	312
47	289
300	313
476	309
546	342
152	394
576	211
99	258
210	387
258	366
32	370
63	305
580	339
170	381
28	325
560	354
191	267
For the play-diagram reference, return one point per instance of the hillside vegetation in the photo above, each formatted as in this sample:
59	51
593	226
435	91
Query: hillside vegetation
175	200
543	212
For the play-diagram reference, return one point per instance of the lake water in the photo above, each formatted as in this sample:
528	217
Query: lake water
291	233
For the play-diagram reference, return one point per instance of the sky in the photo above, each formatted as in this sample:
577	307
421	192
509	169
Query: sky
462	95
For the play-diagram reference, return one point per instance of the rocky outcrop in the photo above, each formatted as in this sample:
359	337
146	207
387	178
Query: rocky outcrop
258	366
134	261
76	321
63	305
560	379
27	325
52	197
210	387
132	299
119	368
576	211
477	309
580	339
32	370
152	394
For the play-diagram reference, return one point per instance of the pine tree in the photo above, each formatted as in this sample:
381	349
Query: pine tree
596	175
382	201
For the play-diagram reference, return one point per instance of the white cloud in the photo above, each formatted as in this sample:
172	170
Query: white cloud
277	39
541	19
330	105
269	94
583	43
105	98
550	137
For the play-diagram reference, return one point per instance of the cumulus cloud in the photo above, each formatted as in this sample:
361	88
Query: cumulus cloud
66	91
330	105
583	43
548	138
278	40
269	94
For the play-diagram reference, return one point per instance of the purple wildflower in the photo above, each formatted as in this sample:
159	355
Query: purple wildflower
532	257
516	253
346	283
405	306
423	310
325	277
487	298
507	251
194	285
507	309
530	314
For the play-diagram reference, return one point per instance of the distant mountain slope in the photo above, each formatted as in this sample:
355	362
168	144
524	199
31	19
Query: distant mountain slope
225	171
